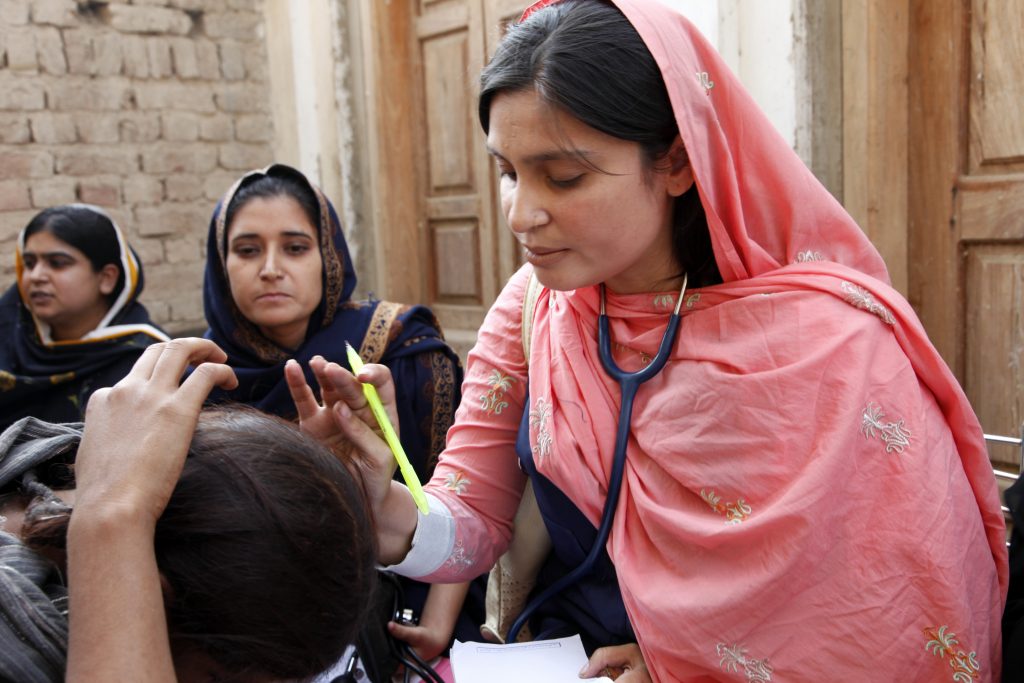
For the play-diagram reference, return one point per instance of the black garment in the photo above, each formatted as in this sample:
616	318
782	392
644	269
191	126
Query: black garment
1013	617
592	607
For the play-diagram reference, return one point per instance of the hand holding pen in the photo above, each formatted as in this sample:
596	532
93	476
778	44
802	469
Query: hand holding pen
408	473
330	421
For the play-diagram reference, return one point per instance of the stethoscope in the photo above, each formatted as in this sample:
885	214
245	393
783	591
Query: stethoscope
628	382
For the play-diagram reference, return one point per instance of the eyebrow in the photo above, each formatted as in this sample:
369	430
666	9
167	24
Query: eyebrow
286	233
554	155
47	254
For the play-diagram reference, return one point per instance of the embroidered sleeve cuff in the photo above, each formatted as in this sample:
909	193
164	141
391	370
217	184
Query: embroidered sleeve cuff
432	542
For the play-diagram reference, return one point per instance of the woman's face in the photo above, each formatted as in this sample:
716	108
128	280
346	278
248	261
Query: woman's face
61	288
578	225
274	267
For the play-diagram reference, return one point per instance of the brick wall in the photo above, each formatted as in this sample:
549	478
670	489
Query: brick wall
149	108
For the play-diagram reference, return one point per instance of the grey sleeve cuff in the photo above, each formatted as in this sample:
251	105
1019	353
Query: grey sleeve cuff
432	542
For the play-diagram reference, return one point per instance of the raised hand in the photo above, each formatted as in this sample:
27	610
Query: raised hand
136	438
343	420
137	433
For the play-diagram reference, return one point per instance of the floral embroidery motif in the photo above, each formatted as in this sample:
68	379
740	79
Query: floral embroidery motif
7	381
62	377
732	657
734	512
539	417
459	557
895	435
692	300
665	301
704	78
862	299
645	357
457	482
493	402
964	664
805	256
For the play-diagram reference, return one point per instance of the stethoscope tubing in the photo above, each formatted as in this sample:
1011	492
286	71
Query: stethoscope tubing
629	383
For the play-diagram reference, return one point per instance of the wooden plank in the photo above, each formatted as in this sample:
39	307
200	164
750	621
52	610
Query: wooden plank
991	208
394	134
875	126
438	19
937	91
466	206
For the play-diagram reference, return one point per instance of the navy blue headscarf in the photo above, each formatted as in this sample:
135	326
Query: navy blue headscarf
52	380
407	339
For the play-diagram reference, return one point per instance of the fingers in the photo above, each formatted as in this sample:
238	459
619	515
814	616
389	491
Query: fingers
421	639
407	634
616	662
364	438
166	362
327	392
302	395
143	368
197	386
341	385
380	377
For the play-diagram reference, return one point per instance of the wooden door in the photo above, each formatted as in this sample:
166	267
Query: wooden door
966	204
435	200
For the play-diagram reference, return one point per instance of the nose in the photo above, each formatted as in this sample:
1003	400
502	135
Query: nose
38	272
270	271
523	211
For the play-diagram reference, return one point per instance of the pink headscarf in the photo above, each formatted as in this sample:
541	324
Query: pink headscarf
807	493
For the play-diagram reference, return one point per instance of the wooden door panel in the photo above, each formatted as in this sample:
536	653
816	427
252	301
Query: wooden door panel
995	336
997	86
449	147
991	207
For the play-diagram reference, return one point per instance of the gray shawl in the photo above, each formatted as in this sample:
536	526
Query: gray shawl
33	597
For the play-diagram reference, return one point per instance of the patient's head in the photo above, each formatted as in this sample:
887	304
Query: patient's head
266	547
266	553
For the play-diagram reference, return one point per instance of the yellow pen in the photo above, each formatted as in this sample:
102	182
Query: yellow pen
408	473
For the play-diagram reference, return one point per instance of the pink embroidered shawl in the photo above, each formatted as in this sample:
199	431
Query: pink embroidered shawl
807	493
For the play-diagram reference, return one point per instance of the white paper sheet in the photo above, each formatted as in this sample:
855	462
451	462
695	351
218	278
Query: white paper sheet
541	661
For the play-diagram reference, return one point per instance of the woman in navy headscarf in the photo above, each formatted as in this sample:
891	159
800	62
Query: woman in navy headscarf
278	286
72	322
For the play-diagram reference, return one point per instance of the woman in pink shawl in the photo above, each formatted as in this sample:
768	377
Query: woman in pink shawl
806	494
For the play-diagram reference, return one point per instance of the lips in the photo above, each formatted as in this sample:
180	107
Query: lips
40	297
540	251
540	256
273	296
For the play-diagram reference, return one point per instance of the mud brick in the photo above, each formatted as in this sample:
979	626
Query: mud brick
14	195
143	19
53	129
52	191
21	165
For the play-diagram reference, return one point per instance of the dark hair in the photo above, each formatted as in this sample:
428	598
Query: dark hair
266	545
86	229
584	57
279	182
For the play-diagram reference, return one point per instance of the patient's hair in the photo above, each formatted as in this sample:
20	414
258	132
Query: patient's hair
267	548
